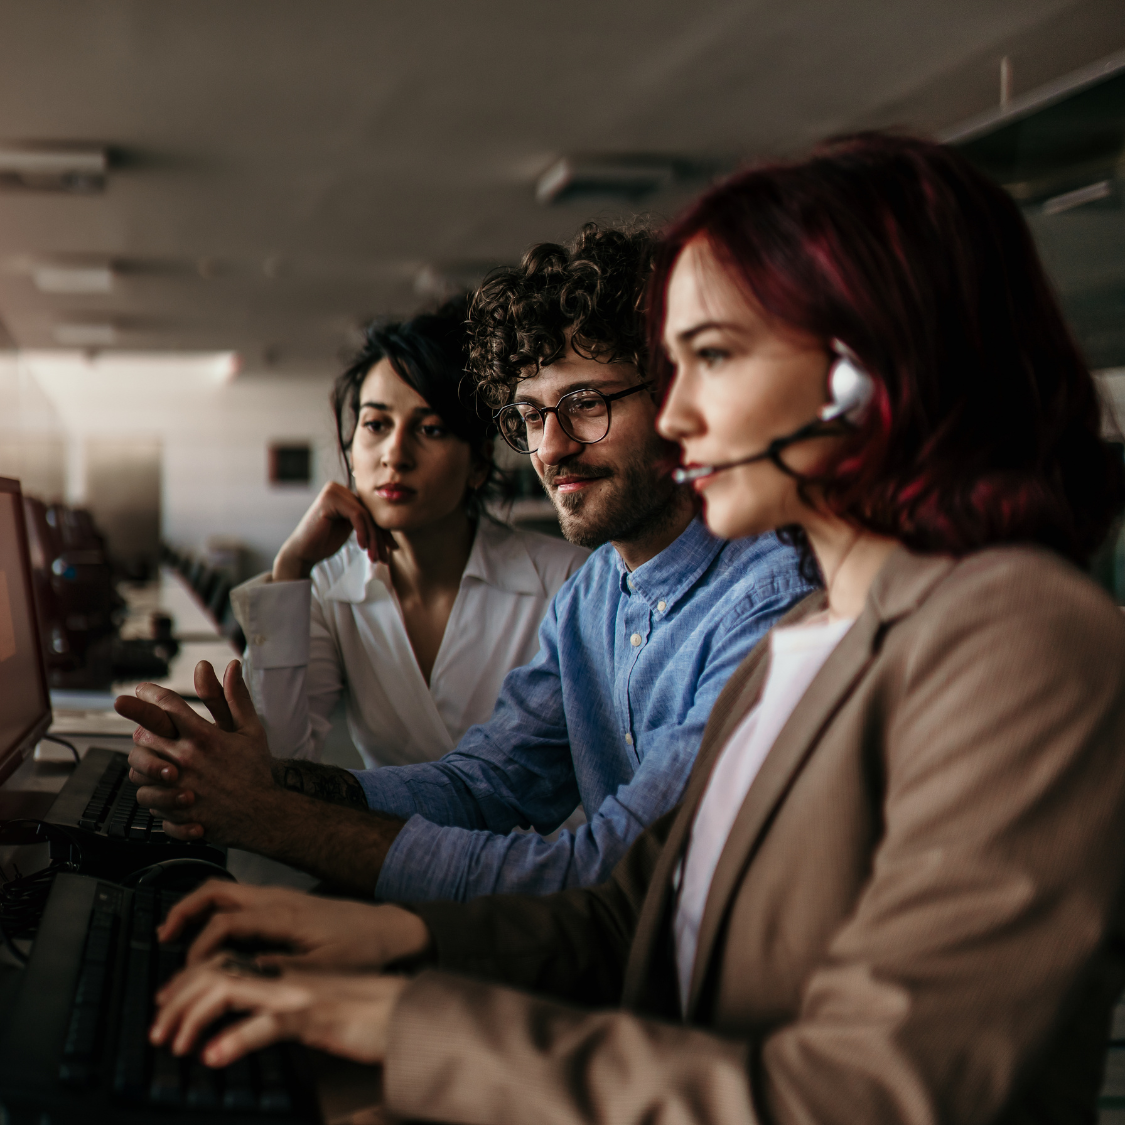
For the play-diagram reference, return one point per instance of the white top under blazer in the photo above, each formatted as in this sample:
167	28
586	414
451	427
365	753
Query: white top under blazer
341	630
797	653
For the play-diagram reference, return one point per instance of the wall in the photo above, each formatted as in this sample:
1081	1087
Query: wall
214	431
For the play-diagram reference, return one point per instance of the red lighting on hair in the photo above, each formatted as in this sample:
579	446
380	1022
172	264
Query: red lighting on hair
985	425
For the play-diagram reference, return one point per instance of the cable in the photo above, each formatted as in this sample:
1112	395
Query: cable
63	742
10	945
22	900
49	833
146	876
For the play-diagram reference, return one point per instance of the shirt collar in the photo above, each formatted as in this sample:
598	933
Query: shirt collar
357	574
671	574
498	559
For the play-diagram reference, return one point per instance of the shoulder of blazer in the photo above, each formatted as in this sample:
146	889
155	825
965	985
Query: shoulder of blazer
1032	587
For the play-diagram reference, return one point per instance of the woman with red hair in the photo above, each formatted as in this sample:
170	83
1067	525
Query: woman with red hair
893	890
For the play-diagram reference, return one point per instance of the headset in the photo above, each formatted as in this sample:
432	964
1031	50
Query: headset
850	389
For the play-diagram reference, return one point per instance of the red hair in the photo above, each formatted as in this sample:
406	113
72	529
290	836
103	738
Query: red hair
985	426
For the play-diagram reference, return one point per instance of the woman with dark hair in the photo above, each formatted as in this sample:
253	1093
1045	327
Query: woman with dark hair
399	591
893	890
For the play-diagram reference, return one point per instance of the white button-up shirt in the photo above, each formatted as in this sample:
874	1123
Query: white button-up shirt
341	631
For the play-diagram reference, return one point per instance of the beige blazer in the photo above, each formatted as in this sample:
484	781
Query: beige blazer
917	916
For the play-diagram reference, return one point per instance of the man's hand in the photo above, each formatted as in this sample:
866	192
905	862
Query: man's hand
325	528
202	777
347	1015
219	779
325	933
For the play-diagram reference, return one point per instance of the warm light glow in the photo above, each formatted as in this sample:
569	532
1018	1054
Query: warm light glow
116	366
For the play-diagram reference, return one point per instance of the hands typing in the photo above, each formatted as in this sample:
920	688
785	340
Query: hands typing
323	933
313	993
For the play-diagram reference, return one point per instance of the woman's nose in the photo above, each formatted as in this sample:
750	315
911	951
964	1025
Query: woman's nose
678	418
394	453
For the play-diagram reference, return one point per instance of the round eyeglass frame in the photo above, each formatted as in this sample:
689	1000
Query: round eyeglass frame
545	410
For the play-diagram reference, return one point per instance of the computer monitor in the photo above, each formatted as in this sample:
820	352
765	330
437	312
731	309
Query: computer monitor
25	704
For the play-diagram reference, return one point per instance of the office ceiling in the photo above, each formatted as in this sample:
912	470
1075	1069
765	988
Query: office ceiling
1064	162
281	170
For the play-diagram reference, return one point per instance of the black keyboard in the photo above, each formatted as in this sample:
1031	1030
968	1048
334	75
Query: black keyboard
113	806
140	1071
98	808
88	998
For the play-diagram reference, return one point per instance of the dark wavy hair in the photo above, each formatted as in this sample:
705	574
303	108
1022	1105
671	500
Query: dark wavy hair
593	288
985	426
428	352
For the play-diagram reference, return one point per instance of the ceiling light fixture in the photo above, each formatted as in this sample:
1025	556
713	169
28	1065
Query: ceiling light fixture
53	168
628	177
60	278
1057	204
84	335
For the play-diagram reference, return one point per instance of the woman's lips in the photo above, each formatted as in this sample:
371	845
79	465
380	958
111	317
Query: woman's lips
394	493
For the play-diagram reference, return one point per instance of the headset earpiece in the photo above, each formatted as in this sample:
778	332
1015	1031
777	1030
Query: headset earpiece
849	387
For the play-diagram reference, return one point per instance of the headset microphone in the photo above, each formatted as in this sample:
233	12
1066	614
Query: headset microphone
849	391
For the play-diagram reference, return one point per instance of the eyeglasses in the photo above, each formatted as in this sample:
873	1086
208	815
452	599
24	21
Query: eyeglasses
582	414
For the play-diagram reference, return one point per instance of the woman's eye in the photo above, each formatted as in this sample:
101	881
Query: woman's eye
711	357
434	431
375	425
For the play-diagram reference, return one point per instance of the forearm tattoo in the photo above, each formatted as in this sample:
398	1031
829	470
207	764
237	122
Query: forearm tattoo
325	783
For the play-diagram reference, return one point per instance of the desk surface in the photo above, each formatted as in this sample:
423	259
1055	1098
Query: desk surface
192	626
168	593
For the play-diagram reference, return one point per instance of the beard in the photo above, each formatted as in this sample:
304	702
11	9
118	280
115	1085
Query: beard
638	500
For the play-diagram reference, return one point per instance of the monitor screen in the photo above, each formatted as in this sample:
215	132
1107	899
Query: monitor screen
25	706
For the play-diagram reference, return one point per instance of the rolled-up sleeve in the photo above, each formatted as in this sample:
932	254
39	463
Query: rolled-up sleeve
282	621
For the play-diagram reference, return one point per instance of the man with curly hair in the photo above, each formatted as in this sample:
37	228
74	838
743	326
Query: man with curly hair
634	648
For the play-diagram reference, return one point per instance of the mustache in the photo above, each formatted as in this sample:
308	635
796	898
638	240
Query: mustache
553	472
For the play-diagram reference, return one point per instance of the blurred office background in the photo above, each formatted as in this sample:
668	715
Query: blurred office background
202	202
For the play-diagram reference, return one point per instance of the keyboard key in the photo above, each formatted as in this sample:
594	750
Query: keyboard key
129	1077
82	1035
271	1069
239	1081
167	1078
91	986
202	1086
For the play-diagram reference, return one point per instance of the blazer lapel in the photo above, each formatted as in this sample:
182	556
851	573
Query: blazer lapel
831	686
734	702
903	583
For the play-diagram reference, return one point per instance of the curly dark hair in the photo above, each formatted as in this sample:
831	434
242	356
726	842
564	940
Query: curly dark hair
594	288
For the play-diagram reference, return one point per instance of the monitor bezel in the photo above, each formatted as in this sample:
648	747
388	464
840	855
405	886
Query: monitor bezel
27	741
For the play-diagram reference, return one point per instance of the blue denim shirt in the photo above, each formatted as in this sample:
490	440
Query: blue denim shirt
610	713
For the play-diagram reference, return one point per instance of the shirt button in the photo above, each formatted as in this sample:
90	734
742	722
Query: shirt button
635	639
661	606
258	639
628	740
629	582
